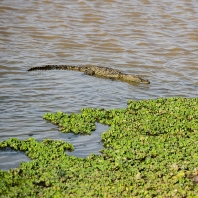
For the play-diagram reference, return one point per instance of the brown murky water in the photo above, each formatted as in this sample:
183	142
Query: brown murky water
157	40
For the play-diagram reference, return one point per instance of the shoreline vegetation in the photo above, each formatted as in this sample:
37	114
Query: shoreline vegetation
150	150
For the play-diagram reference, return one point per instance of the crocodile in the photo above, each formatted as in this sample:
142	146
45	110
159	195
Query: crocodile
97	71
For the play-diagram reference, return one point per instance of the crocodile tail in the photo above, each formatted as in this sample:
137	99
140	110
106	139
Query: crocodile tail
53	67
46	67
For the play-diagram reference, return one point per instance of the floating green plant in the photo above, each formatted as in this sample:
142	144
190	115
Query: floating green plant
150	150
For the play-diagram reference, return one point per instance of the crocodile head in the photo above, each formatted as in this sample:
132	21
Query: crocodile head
144	81
133	78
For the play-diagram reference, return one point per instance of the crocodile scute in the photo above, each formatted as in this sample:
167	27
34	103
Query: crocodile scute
97	71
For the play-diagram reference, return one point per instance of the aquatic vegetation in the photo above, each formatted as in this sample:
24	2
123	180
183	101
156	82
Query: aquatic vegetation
150	150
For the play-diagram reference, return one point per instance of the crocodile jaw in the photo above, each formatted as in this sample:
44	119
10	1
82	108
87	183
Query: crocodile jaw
134	78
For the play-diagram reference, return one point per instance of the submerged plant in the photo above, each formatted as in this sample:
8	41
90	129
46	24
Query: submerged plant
150	150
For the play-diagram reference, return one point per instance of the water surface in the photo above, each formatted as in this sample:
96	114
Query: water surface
157	40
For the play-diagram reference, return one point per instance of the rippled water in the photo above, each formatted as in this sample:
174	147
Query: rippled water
157	40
